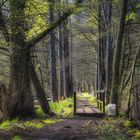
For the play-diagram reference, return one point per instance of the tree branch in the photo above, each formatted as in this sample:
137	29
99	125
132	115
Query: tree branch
35	40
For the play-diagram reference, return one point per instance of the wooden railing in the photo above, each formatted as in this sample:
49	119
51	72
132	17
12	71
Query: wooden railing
100	97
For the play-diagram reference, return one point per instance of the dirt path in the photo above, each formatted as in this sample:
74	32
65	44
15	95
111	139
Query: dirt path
68	129
79	128
83	106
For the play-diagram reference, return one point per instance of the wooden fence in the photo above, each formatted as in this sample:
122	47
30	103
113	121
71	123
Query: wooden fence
100	98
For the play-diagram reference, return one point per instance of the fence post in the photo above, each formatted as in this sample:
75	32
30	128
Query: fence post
74	102
104	102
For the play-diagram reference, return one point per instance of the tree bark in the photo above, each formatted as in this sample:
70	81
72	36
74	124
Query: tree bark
53	74
108	51
117	56
67	76
39	91
60	60
22	103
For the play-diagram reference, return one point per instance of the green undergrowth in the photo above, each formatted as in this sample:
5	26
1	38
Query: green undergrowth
89	97
40	113
63	108
92	101
8	124
28	124
83	95
115	129
132	127
17	138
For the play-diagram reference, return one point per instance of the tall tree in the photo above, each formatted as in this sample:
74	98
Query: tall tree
108	49
67	75
53	73
20	81
117	56
60	58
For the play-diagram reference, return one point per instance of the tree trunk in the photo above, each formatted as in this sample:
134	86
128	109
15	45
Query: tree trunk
117	56
67	76
100	53
108	51
22	103
53	74
60	61
40	91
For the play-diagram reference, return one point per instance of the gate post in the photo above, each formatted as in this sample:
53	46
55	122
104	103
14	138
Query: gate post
74	97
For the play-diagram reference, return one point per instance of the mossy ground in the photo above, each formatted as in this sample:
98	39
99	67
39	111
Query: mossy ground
103	129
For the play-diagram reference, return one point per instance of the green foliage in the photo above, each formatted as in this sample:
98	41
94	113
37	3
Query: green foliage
29	124
84	95
7	125
92	100
16	138
112	129
39	112
134	133
121	114
137	134
36	12
129	124
63	108
51	121
131	16
138	5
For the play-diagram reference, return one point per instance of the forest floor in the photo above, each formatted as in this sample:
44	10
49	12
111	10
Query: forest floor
75	129
69	127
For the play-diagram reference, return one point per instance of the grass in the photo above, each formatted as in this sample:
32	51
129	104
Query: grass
51	121
17	138
7	125
40	113
114	129
92	101
63	108
35	125
129	124
84	95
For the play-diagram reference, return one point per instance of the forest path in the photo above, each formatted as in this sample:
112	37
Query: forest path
79	128
83	106
87	106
